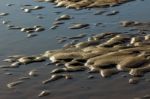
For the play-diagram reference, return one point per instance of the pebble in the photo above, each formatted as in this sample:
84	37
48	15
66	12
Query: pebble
59	64
15	64
12	84
58	70
133	80
44	93
33	73
26	29
9	60
29	31
35	28
78	26
129	23
25	60
147	37
64	17
55	77
39	29
5	22
136	72
37	7
68	77
31	35
27	10
4	14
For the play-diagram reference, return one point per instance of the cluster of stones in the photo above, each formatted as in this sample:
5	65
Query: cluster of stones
29	30
104	53
78	4
32	29
29	8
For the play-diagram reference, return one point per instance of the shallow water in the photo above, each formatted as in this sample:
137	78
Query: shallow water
15	42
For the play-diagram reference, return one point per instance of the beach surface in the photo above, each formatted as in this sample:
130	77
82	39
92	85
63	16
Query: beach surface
29	28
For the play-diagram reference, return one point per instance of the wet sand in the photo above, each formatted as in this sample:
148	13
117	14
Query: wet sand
80	86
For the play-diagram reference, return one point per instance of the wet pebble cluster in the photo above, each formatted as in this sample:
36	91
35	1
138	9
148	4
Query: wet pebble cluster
29	8
31	31
79	4
106	54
